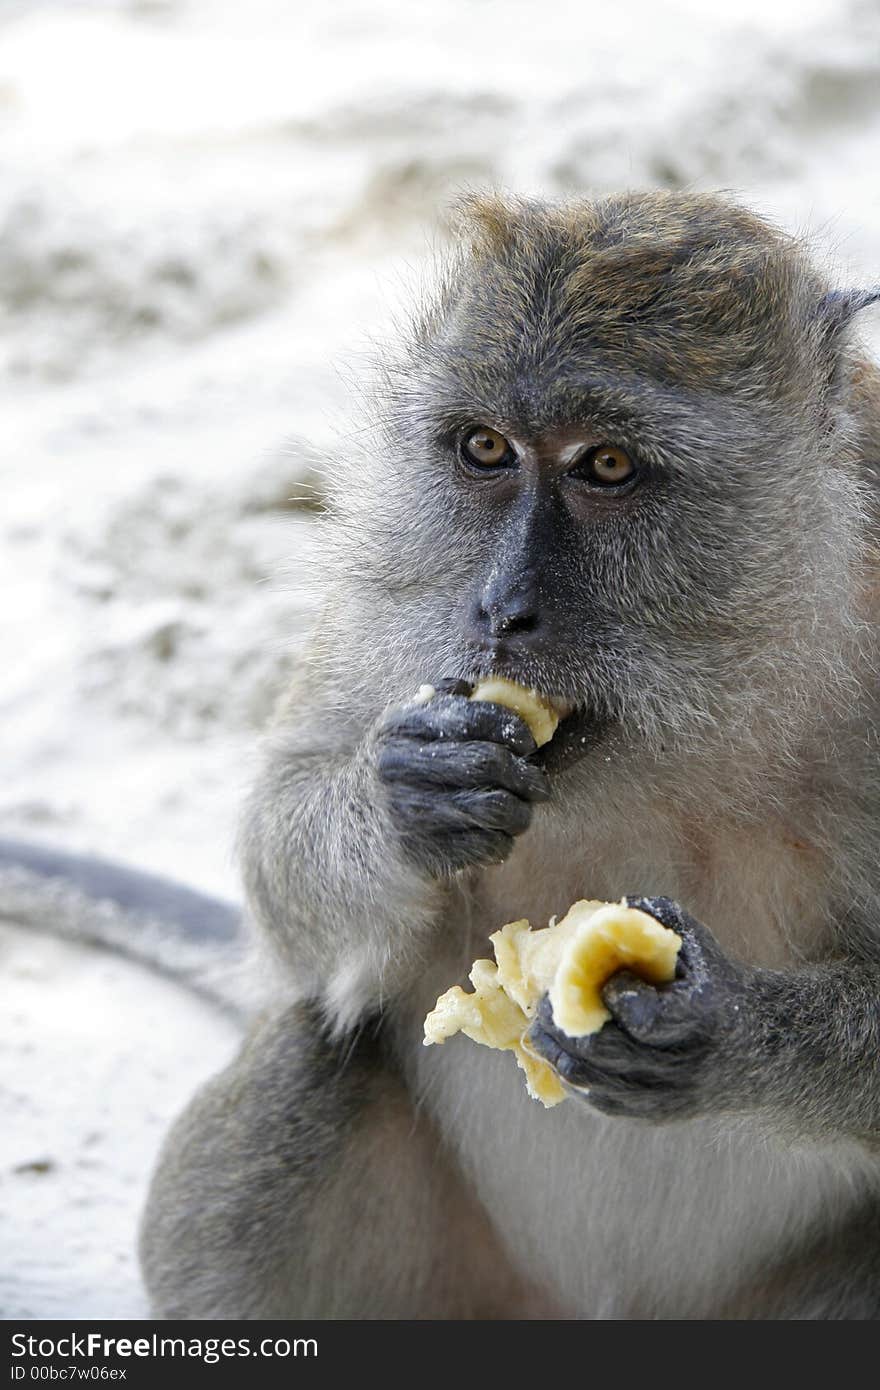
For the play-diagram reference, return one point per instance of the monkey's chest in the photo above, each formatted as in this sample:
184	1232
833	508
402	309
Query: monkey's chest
615	1217
761	889
612	1217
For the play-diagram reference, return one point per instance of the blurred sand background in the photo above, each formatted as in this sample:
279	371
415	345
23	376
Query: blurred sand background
210	213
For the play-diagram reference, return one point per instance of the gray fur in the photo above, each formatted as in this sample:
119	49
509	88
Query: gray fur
716	628
309	1187
182	933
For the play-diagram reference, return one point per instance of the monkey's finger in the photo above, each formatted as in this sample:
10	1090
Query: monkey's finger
437	812
456	719
634	1102
608	1053
700	951
657	1017
609	1050
474	764
480	847
494	810
665	910
582	1069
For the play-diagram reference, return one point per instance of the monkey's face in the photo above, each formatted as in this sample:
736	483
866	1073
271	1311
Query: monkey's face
613	568
619	476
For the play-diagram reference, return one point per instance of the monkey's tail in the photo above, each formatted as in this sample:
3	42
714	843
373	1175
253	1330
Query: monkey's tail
190	936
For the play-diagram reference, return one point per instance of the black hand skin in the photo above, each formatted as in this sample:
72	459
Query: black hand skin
458	781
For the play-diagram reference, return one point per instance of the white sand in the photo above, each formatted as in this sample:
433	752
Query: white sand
97	1056
206	209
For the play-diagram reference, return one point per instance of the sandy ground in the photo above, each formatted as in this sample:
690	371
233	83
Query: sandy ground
97	1055
209	214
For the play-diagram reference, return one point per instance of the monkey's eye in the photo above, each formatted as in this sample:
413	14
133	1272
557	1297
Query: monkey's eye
605	465
486	448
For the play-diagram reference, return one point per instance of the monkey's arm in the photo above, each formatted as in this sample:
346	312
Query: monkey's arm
801	1045
351	842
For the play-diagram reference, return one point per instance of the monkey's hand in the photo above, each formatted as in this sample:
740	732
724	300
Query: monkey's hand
457	778
667	1050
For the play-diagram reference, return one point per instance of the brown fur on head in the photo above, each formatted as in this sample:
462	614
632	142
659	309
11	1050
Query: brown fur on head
690	287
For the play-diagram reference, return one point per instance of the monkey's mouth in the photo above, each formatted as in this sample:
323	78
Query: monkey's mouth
562	708
580	729
558	705
492	665
580	726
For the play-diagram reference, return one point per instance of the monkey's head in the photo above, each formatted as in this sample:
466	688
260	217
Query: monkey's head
617	467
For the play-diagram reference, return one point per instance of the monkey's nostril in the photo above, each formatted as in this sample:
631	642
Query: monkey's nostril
507	622
505	619
481	623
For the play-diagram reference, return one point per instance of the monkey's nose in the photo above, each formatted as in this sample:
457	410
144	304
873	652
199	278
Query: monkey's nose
496	617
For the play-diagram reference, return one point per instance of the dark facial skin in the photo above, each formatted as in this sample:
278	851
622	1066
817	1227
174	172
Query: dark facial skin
548	504
546	496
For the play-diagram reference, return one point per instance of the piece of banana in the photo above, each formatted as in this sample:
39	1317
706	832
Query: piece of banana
571	960
541	715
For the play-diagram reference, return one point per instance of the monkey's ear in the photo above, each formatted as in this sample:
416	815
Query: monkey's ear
836	311
838	308
488	222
